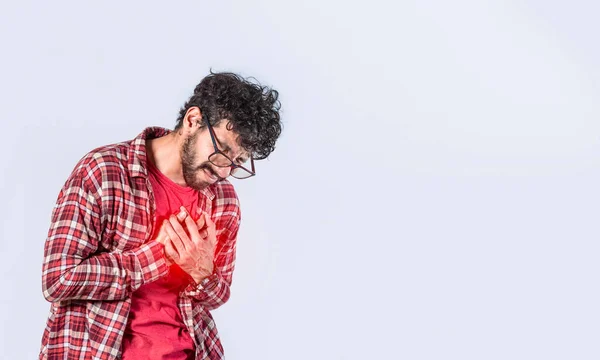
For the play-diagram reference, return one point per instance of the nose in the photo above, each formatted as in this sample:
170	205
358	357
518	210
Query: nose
223	172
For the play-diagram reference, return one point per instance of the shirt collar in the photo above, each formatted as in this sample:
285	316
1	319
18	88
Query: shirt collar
137	158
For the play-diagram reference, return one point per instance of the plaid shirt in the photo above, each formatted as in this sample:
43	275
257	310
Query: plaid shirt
99	251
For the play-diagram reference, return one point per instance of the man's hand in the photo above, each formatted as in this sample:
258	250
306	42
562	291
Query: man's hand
193	250
163	237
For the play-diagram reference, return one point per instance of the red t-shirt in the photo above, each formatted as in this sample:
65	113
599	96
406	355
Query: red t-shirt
155	329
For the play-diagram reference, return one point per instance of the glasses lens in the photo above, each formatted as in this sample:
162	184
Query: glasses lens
240	173
219	160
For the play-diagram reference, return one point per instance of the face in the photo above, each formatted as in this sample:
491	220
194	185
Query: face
198	172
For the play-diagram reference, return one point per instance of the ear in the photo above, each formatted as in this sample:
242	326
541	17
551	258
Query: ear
192	118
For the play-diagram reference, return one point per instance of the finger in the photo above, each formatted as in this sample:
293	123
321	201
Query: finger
180	230
201	221
210	228
207	218
193	230
191	225
170	251
183	214
161	234
204	234
174	235
211	242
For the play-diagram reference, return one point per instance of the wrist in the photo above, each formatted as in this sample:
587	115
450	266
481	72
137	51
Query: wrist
198	276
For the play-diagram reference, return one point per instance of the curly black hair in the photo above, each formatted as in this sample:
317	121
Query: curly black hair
252	109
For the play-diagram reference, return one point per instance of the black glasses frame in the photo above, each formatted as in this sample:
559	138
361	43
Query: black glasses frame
232	164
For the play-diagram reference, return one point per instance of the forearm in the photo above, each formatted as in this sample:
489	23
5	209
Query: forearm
104	276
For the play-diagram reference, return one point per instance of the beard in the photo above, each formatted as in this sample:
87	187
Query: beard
189	167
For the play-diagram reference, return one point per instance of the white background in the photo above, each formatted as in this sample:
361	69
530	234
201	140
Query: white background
434	194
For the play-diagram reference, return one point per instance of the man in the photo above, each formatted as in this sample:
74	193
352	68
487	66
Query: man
142	239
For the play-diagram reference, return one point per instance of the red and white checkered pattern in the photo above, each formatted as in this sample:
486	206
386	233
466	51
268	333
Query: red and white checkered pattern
99	251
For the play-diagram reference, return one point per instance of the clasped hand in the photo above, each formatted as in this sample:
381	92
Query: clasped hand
189	244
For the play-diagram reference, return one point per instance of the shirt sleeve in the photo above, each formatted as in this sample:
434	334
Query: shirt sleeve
73	267
214	290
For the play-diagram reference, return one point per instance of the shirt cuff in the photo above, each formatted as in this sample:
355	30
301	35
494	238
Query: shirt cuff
207	284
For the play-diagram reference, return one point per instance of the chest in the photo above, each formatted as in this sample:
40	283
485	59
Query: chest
131	211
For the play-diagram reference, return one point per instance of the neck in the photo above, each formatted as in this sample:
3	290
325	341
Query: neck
165	153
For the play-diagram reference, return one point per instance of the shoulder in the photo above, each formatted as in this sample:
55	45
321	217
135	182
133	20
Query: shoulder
103	164
100	169
226	201
119	160
225	193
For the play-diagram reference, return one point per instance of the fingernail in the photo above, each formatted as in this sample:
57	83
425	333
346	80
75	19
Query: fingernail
182	214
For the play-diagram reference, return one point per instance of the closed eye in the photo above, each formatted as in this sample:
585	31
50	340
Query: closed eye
241	160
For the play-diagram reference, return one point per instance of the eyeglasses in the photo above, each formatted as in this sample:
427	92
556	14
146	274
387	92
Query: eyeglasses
219	159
